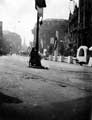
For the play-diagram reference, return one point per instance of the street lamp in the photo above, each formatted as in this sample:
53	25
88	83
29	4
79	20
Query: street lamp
35	58
39	5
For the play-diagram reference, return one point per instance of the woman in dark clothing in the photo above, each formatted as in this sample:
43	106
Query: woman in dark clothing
35	58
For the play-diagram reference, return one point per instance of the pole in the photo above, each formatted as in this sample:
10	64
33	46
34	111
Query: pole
56	51
35	57
79	24
37	33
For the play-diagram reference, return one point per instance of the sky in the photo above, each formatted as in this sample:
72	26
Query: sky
20	15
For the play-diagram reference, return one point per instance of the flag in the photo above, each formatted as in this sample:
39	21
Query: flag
41	43
57	34
40	3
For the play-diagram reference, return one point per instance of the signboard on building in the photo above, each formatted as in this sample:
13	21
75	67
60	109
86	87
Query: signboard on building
52	40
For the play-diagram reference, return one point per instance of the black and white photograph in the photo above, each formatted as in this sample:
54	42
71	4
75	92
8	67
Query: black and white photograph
45	59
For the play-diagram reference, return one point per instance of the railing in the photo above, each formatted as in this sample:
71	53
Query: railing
69	59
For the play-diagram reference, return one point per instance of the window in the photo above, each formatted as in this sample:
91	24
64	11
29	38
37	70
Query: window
81	52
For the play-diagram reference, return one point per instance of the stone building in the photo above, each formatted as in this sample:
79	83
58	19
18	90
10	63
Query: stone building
80	24
1	36
48	30
73	26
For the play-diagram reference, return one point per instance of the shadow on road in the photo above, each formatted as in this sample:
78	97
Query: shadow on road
79	109
8	99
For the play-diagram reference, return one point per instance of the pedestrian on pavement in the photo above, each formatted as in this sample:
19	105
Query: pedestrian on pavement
35	58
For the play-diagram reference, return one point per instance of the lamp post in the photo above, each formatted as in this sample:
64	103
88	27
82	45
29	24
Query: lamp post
35	58
39	5
37	33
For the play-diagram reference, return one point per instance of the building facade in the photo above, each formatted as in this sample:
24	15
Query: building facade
80	24
1	36
73	27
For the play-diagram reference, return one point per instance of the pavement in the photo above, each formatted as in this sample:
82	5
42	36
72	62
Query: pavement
64	92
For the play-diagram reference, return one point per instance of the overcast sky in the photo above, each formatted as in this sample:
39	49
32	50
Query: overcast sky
20	15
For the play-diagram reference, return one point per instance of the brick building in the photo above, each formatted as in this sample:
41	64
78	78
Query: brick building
80	24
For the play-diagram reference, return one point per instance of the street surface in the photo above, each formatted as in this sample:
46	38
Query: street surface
63	92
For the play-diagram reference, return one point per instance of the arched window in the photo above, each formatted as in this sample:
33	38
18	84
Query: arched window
81	52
